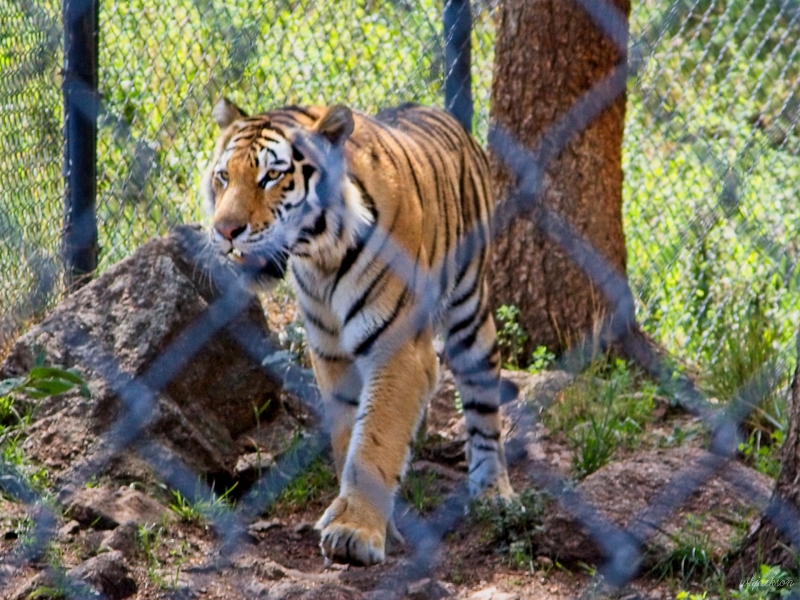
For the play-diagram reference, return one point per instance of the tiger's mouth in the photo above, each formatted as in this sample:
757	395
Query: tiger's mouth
261	266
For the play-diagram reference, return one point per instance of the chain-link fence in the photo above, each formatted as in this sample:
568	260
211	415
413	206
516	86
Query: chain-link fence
710	161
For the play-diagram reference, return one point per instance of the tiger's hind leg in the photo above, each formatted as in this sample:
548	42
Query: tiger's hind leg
473	357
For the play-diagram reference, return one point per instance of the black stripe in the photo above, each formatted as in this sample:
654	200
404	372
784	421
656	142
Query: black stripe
411	168
465	344
480	407
477	466
462	324
303	285
345	399
366	345
307	171
473	431
352	254
362	299
300	109
466	295
328	357
317	322
318	229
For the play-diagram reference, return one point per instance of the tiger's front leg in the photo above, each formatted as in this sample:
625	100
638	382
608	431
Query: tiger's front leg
395	391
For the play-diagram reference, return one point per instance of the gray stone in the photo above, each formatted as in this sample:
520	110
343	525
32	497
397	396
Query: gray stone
107	573
123	539
117	327
68	531
106	508
624	492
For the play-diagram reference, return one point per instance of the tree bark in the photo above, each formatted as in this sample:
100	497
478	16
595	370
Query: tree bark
766	544
550	53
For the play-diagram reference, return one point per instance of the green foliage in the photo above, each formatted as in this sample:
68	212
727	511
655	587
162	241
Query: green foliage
509	526
770	583
541	359
318	481
17	402
511	336
606	407
764	458
420	490
205	507
691	558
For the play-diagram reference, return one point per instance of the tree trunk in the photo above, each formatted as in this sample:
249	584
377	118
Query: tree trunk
766	545
548	55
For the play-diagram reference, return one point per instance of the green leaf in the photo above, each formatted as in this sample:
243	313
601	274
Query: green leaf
55	373
48	387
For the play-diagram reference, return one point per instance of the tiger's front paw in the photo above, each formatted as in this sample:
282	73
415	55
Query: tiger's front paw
353	531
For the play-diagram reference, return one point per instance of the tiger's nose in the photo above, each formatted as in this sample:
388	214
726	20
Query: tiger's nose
230	230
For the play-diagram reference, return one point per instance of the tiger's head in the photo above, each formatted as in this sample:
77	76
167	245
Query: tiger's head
277	186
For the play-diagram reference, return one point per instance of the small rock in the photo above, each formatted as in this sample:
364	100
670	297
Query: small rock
107	573
304	527
493	594
123	538
544	562
11	534
263	525
425	589
68	531
253	461
104	508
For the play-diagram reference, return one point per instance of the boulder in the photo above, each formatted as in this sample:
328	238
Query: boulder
119	327
631	492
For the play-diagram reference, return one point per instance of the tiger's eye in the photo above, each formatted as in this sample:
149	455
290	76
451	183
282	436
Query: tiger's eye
273	174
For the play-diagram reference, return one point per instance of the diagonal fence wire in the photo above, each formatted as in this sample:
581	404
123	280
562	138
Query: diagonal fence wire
621	546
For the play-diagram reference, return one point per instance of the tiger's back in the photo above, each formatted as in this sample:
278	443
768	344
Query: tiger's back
373	264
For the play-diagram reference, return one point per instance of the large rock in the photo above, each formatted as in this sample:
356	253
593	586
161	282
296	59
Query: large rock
632	492
122	322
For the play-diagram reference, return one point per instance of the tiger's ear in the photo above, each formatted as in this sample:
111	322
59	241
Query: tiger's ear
226	112
337	124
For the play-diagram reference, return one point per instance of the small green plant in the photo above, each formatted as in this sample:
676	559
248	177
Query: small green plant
595	441
509	527
684	595
511	337
541	359
151	541
205	507
690	559
764	458
316	482
420	491
606	407
16	410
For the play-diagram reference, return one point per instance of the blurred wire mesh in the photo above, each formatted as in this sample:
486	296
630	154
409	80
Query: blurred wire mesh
710	150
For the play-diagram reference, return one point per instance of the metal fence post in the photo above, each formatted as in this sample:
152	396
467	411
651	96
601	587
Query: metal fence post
79	87
457	79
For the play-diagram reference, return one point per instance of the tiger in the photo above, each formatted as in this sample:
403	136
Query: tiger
383	225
